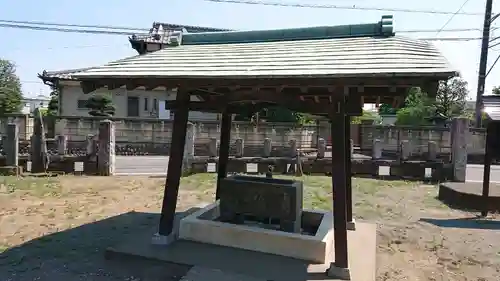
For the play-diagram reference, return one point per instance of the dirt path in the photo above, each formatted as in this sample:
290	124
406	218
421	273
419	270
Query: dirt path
56	229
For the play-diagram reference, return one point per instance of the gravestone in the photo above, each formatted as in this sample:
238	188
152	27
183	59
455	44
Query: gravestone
264	199
12	145
39	152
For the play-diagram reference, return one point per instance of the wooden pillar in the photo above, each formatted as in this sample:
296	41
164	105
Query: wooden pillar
340	267
225	138
487	170
174	171
348	173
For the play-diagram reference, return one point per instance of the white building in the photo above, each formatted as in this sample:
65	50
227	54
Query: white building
30	104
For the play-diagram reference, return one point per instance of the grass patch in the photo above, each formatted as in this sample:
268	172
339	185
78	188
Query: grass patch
36	186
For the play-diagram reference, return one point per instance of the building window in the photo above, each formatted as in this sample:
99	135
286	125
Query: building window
82	104
133	106
146	104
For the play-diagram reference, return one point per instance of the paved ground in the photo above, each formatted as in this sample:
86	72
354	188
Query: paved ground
157	165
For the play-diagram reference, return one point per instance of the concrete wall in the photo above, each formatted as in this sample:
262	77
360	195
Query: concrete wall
72	92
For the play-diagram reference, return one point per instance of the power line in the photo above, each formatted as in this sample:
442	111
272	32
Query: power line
73	25
104	32
341	7
75	47
493	65
452	16
68	30
440	30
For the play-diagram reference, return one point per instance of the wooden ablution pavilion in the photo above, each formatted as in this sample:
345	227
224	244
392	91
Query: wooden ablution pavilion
327	71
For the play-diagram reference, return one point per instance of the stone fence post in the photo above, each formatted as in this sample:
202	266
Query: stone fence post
321	148
239	147
377	149
12	145
62	144
459	134
268	147
90	164
106	153
212	147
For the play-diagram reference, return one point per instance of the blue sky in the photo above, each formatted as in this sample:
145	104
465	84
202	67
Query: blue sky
34	51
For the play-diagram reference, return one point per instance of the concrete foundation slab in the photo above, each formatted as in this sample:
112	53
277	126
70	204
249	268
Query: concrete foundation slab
362	250
201	226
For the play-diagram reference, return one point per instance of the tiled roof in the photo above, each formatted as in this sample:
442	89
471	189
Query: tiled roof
337	57
62	75
492	106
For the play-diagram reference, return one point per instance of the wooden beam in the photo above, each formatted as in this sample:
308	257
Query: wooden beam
174	164
337	119
234	83
225	139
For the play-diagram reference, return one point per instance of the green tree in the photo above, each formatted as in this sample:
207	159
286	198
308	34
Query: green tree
10	88
53	107
451	97
386	109
496	90
418	110
100	105
367	115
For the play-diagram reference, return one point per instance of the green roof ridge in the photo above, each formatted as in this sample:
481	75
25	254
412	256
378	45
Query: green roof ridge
383	28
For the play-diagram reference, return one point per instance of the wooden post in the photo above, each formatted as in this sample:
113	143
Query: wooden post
487	170
348	172
340	267
225	138
167	218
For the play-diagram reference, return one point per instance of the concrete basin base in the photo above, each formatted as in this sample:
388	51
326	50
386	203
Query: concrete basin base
202	226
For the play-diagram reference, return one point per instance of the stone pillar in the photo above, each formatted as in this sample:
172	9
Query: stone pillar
321	148
212	147
293	148
39	157
405	150
90	164
432	148
11	145
62	144
459	135
188	149
268	147
239	147
377	149
106	153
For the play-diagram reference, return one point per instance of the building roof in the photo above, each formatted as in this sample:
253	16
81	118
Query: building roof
491	105
363	50
61	75
343	57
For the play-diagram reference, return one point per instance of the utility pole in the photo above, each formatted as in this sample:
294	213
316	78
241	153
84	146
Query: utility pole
483	62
